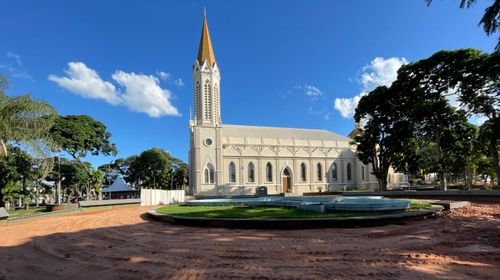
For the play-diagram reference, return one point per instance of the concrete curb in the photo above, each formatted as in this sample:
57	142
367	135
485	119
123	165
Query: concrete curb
345	222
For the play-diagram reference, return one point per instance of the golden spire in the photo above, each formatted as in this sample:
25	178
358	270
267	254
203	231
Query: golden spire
205	51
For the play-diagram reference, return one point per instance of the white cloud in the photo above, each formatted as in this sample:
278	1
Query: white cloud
380	72
347	106
163	75
16	57
138	92
179	82
312	91
144	94
86	82
15	67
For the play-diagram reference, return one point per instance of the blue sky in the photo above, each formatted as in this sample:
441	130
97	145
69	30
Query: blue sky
283	63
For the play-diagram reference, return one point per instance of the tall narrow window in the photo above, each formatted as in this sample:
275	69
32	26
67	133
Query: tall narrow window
362	173
251	172
348	172
303	172
197	102
209	174
269	172
232	173
334	172
207	100
320	172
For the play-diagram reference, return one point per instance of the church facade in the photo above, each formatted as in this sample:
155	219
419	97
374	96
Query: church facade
229	160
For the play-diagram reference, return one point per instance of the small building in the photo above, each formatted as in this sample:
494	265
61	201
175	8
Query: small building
119	190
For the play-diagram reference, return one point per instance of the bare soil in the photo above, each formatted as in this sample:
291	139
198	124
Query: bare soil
123	243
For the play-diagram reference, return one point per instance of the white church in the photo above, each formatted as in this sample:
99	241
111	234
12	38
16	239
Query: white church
227	160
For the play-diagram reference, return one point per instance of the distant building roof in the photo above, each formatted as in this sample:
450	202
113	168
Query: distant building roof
119	185
279	132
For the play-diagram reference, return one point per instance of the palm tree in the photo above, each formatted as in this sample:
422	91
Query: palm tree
24	121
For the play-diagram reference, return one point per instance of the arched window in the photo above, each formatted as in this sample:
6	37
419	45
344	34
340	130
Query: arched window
320	172
334	172
362	173
232	172
209	174
251	172
303	172
348	172
269	172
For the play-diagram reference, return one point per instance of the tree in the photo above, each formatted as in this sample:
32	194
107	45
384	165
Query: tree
116	168
8	177
25	121
153	169
80	135
471	75
156	168
386	140
180	175
96	178
490	20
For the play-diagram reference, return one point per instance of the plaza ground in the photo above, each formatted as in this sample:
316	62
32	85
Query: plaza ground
122	243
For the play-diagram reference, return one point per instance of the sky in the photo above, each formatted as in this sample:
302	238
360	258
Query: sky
283	63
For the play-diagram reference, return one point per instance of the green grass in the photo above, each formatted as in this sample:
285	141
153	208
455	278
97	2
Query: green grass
416	205
31	210
261	212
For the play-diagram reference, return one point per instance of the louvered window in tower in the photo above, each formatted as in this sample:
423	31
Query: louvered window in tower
208	100
197	101
216	102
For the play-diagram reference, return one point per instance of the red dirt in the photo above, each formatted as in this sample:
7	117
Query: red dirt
123	244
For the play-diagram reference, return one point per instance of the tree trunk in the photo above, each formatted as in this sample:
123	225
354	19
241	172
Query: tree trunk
3	149
2	202
442	180
382	184
496	161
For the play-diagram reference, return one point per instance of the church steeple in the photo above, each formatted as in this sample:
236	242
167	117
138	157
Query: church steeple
205	50
206	82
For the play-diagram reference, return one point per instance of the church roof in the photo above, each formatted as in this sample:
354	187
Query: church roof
280	133
205	51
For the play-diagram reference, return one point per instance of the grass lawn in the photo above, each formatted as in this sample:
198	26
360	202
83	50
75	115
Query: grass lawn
262	212
31	210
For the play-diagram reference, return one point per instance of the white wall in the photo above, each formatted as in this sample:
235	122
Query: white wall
160	197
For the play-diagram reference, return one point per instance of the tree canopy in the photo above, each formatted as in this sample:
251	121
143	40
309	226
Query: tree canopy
403	120
79	135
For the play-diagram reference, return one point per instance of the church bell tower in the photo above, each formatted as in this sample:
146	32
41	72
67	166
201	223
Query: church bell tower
206	82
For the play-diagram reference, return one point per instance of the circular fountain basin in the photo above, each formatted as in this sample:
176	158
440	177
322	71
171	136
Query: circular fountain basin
338	203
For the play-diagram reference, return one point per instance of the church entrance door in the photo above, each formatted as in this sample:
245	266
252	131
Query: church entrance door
287	181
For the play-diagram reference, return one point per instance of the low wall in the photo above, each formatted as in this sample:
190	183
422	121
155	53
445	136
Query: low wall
110	202
150	197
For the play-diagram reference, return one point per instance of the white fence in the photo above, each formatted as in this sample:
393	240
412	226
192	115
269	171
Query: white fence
161	197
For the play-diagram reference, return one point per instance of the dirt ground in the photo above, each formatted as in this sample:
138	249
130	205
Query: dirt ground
123	244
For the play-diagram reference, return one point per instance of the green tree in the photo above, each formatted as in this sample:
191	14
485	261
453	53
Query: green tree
490	20
471	75
25	121
153	169
96	179
80	135
387	137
